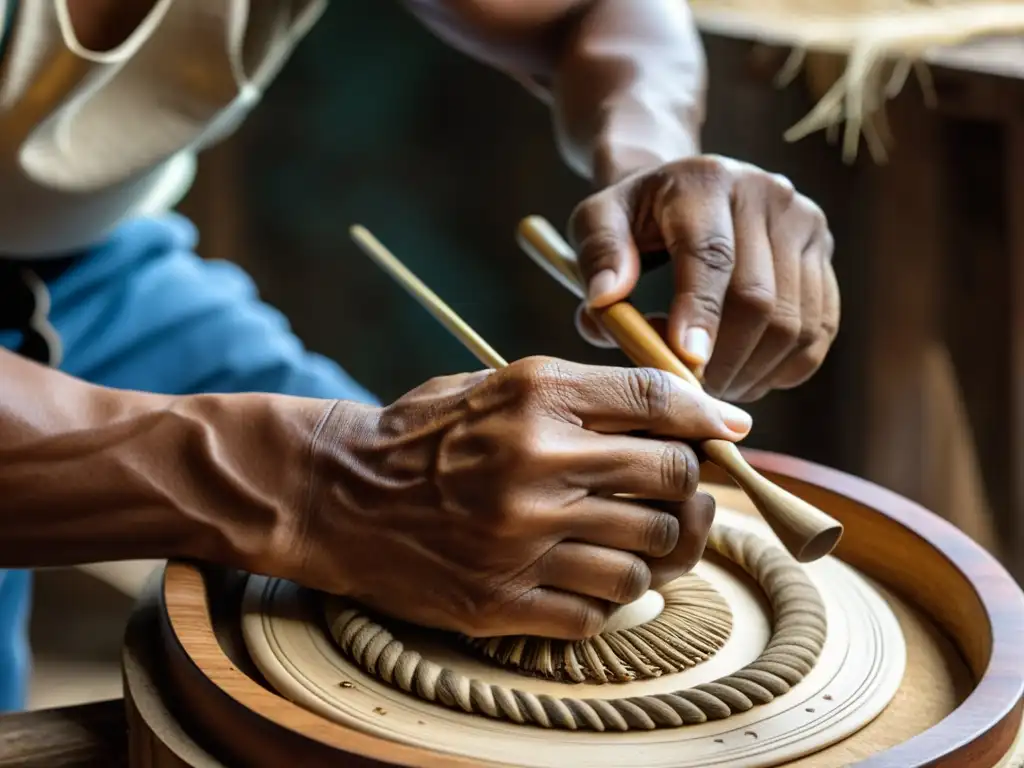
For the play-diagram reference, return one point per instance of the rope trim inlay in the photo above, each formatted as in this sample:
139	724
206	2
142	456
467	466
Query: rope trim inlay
694	625
798	635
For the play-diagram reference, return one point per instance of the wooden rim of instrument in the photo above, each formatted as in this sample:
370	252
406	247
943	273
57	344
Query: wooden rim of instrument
959	585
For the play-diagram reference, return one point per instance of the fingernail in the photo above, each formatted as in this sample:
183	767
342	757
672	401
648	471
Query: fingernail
736	419
602	284
697	345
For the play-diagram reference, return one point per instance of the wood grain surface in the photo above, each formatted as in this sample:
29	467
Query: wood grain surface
85	736
924	561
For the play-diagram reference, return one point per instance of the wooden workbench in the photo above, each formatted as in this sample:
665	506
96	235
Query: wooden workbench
86	736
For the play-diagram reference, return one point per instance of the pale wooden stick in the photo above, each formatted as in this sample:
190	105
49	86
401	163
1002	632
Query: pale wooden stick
427	299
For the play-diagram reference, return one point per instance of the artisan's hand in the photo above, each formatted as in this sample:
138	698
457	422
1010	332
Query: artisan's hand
481	502
756	301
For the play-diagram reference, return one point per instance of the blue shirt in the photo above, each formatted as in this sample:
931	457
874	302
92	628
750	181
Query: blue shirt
141	311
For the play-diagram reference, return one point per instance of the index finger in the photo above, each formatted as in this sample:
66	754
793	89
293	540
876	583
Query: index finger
696	224
618	400
608	257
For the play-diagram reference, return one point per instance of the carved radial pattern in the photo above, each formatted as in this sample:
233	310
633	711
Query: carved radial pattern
694	625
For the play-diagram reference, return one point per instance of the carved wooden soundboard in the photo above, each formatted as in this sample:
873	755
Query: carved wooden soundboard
903	649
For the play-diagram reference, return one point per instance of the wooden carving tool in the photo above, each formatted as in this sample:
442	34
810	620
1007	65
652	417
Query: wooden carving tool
807	532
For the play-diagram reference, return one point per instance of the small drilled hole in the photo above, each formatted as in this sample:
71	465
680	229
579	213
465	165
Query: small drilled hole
719	741
751	734
827	697
809	709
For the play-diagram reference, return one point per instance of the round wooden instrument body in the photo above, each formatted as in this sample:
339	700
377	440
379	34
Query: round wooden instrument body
195	698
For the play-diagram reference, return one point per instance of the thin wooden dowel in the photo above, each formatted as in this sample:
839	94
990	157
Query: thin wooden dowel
427	299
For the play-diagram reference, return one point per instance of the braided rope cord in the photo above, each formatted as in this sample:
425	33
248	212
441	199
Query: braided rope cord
798	636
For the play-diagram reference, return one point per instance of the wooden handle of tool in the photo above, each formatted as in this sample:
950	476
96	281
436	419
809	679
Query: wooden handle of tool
807	532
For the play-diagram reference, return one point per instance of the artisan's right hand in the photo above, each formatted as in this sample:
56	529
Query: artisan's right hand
481	503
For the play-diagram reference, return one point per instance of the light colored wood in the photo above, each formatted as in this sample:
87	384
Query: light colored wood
807	532
945	713
935	684
857	674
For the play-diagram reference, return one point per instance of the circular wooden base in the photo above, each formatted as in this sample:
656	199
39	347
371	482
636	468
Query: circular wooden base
948	711
858	671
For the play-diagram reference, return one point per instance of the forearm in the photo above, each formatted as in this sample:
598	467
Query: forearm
90	474
625	78
628	89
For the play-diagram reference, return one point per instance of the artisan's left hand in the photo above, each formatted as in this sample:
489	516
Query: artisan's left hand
756	302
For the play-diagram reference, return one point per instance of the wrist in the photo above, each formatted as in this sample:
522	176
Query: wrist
250	461
341	525
638	137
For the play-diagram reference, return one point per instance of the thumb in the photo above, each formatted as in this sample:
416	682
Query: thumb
608	257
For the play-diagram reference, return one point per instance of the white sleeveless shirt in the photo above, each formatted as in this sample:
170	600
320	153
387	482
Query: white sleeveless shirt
89	139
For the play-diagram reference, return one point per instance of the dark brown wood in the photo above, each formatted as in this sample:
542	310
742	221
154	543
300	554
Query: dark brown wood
1013	420
85	736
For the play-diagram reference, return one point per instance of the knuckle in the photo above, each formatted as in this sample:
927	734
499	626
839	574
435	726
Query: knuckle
586	621
537	379
807	337
757	298
716	253
786	325
782	186
634	580
652	392
711	169
679	469
811	211
504	520
598	249
662	534
533	369
707	304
